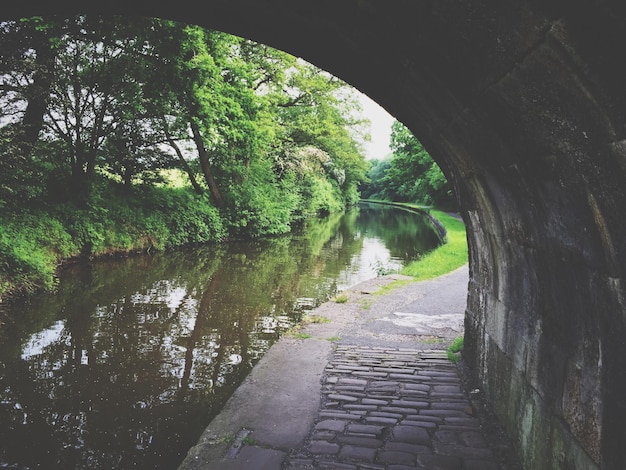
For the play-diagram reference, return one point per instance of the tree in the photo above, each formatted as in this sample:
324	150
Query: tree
130	97
26	74
374	188
27	69
213	105
93	95
412	174
317	111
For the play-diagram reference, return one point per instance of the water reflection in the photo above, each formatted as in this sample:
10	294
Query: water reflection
131	359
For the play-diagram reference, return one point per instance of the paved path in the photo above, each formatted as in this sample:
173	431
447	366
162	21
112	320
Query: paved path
394	409
381	395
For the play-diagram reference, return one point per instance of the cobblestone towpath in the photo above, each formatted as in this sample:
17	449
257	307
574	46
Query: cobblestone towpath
370	388
395	409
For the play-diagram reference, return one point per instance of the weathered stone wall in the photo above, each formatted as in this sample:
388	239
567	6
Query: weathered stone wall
544	197
523	103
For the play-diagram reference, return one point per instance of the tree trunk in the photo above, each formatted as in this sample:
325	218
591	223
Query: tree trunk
82	172
39	93
204	164
128	177
192	179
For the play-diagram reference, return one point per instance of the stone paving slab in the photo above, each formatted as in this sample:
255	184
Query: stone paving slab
374	417
251	457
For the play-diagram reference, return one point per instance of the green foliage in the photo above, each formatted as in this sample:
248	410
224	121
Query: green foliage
30	247
448	257
382	269
410	175
316	319
177	217
265	140
317	116
34	243
373	188
322	197
351	194
260	206
20	173
454	350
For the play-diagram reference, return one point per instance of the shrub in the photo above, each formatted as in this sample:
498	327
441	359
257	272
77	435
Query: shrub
33	243
260	205
321	197
30	248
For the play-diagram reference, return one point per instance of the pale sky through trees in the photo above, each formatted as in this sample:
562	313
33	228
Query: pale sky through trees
381	120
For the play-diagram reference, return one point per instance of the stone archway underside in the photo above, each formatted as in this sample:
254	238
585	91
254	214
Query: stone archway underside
523	104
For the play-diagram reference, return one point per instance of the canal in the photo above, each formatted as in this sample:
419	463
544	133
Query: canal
129	361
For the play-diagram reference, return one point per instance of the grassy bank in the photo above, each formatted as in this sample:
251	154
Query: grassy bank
452	254
447	257
40	236
35	241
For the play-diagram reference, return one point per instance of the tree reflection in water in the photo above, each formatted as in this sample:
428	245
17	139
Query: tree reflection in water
130	360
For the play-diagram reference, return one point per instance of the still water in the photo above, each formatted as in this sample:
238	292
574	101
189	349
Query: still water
128	362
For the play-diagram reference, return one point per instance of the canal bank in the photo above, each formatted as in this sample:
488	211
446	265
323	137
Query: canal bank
309	403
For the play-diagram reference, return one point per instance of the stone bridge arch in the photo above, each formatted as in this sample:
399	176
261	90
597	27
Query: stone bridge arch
523	104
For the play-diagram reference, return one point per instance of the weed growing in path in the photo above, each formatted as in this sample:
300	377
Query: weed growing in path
454	350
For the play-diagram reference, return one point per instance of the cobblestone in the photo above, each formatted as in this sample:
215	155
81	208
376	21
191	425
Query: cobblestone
389	409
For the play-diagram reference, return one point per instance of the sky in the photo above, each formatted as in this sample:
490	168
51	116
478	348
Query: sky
380	129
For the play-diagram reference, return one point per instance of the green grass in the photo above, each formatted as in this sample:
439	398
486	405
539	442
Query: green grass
296	331
447	257
315	319
431	339
454	350
341	299
299	335
249	441
444	259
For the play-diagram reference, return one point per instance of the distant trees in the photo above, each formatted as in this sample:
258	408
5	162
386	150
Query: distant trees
409	175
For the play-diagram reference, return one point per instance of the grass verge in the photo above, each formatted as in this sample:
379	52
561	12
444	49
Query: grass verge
340	299
452	254
447	257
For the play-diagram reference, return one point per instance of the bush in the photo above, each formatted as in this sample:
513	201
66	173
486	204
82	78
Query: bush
187	219
454	350
33	243
321	196
30	249
261	206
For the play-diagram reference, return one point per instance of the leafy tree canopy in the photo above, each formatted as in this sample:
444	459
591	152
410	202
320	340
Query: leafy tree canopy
409	175
128	97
